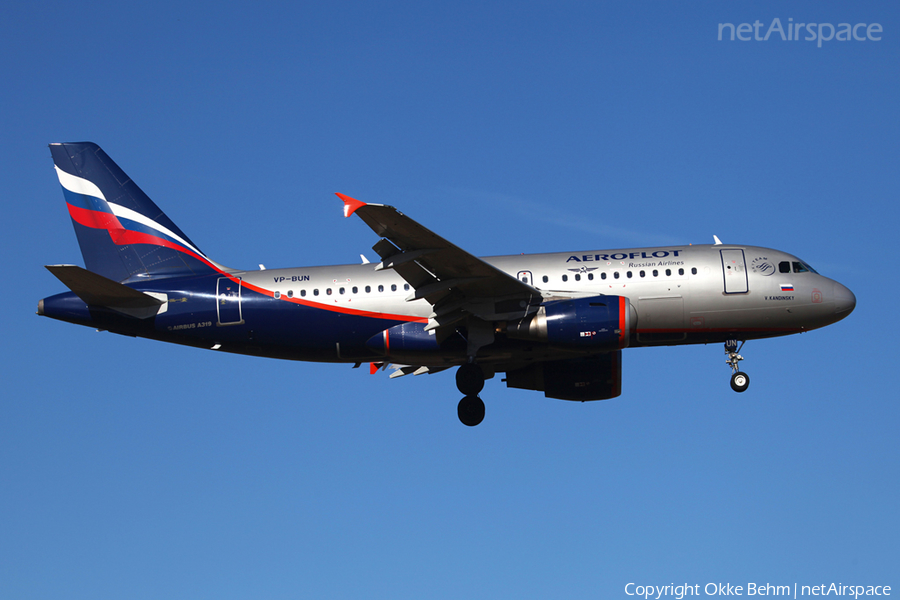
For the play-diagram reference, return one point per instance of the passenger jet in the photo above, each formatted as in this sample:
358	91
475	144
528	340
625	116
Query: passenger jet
555	323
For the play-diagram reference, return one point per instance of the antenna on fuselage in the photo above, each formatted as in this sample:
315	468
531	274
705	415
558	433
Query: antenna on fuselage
718	241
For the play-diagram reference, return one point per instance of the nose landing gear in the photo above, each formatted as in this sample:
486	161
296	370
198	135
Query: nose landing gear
739	381
470	381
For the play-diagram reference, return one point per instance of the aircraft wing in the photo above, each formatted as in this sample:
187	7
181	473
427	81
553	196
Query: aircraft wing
454	282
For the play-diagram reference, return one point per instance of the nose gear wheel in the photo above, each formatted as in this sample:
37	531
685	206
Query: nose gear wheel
740	381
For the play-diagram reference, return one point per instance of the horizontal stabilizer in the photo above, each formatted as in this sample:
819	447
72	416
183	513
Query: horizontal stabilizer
97	290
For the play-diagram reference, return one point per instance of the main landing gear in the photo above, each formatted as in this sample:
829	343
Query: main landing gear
470	381
739	381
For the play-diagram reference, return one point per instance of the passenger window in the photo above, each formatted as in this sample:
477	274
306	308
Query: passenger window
655	273
668	272
681	271
277	295
629	274
577	277
784	267
303	293
315	292
615	274
341	291
290	293
406	287
800	268
546	279
603	275
565	277
643	273
328	291
590	276
355	290
693	270
368	289
393	287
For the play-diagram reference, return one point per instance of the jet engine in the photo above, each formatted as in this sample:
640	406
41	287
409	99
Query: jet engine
595	323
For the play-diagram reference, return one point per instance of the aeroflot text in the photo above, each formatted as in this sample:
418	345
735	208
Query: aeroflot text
755	589
823	32
622	256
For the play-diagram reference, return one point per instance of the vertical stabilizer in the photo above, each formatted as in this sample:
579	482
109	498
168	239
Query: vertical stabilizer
123	235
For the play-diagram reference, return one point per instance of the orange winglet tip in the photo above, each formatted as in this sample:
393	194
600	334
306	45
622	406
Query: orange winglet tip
350	204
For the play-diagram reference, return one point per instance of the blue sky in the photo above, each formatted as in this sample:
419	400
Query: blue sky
133	469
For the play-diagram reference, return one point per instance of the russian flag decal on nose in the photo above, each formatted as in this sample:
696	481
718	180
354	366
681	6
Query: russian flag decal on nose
787	287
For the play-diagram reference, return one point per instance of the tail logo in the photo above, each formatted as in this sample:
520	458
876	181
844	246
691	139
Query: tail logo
89	207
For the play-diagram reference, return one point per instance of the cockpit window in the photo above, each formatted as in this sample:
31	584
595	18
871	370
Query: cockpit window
802	267
784	267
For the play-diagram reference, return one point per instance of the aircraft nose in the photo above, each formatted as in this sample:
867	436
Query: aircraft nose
844	300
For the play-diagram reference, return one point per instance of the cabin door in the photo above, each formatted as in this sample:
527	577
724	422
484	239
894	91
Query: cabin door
228	301
734	271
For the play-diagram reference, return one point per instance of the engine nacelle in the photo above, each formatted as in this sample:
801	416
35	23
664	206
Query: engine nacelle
597	323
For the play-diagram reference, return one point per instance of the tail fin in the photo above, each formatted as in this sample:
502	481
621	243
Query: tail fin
123	235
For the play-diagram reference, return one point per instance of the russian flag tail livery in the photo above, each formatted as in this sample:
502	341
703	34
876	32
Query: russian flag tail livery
123	235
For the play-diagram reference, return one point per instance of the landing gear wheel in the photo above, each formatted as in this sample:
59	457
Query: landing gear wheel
471	411
740	381
470	380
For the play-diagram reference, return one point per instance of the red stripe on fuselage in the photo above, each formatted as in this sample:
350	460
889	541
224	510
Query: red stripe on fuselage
723	330
328	307
123	237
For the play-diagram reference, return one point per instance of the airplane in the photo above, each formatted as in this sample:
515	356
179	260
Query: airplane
555	323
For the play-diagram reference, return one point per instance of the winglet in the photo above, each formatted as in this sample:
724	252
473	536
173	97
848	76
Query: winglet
350	204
